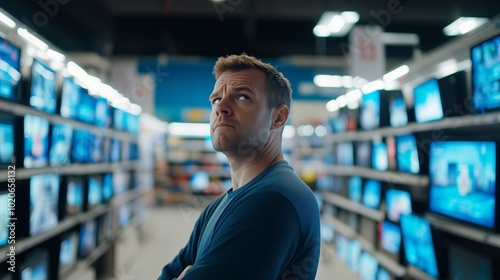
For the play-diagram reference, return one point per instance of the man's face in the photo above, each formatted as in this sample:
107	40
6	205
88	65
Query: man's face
240	121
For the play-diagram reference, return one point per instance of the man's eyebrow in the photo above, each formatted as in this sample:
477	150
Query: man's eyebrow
244	88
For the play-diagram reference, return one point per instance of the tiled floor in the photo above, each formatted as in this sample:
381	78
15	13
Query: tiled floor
166	229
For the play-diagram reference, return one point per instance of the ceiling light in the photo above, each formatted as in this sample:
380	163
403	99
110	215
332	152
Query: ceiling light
463	25
332	106
201	130
373	86
396	73
7	21
56	55
353	95
288	131
327	81
341	101
350	17
32	38
336	24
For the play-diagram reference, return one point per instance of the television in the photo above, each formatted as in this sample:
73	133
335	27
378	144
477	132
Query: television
103	113
70	99
82	146
462	178
345	153
418	244
486	75
383	274
10	69
371	194
397	202
390	237
121	182
95	190
43	93
115	153
4	217
87	107
341	247
355	188
107	187
407	154
398	115
35	266
60	147
88	238
363	154
36	141
369	113
327	233
119	119
390	143
199	181
74	195
68	252
134	151
132	123
464	264
7	140
124	215
353	256
44	202
125	151
379	156
106	150
97	148
427	101
368	265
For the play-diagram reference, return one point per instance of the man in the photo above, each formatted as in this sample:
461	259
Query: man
267	226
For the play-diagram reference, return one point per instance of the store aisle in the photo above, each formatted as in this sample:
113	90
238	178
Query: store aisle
166	229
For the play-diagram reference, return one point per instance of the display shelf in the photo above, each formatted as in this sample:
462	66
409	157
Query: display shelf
125	198
73	169
492	118
482	236
339	226
418	274
392	177
352	206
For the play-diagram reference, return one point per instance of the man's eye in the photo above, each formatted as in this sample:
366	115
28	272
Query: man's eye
215	100
243	97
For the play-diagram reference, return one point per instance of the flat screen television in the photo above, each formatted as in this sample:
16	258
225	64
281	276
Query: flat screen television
7	132
10	73
44	202
119	119
364	154
88	238
96	154
369	113
390	143
70	99
115	153
397	202
341	247
107	187
379	156
486	75
355	188
68	252
418	244
371	194
383	274
464	264
327	233
74	195
353	255
95	190
346	120
43	93
345	153
82	146
106	150
35	266
398	115
407	154
427	101
4	218
121	182
368	266
36	141
60	147
390	237
463	181
132	123
103	113
87	107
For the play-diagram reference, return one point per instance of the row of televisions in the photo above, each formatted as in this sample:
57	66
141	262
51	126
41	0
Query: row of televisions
43	91
31	141
57	257
434	99
53	198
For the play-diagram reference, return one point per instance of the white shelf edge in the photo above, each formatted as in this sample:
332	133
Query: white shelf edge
352	206
339	226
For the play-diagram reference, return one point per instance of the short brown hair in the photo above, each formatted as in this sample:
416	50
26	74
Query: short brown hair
279	86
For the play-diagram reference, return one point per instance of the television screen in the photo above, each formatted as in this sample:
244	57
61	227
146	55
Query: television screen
464	264
345	153
383	274
4	218
107	187
368	266
10	73
363	154
353	255
121	182
61	144
134	151
427	100
371	194
83	143
327	233
124	216
407	154
36	266
43	94
125	151
106	150
96	154
87	107
70	99
485	60
398	115
463	180
115	154
370	110
88	238
74	195
44	201
36	141
132	123
68	252
119	119
390	237
103	113
390	143
95	190
418	244
397	203
355	188
379	156
341	247
6	142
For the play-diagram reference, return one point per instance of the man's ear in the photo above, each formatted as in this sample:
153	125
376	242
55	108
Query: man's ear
280	116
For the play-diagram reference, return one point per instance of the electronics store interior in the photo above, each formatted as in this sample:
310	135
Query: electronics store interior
106	158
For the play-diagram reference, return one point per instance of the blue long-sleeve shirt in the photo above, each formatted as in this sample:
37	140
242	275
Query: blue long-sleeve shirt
268	229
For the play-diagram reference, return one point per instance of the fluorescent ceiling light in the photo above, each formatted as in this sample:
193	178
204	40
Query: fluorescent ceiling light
328	81
463	25
6	20
320	131
55	55
400	39
200	130
341	101
32	38
336	24
353	95
332	106
396	73
288	132
373	86
353	105
305	130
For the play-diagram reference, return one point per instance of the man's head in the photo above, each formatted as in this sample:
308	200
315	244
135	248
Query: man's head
250	105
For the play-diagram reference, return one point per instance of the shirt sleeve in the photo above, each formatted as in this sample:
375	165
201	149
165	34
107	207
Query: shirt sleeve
257	239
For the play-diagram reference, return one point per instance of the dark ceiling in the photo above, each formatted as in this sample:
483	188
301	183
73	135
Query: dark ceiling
270	28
